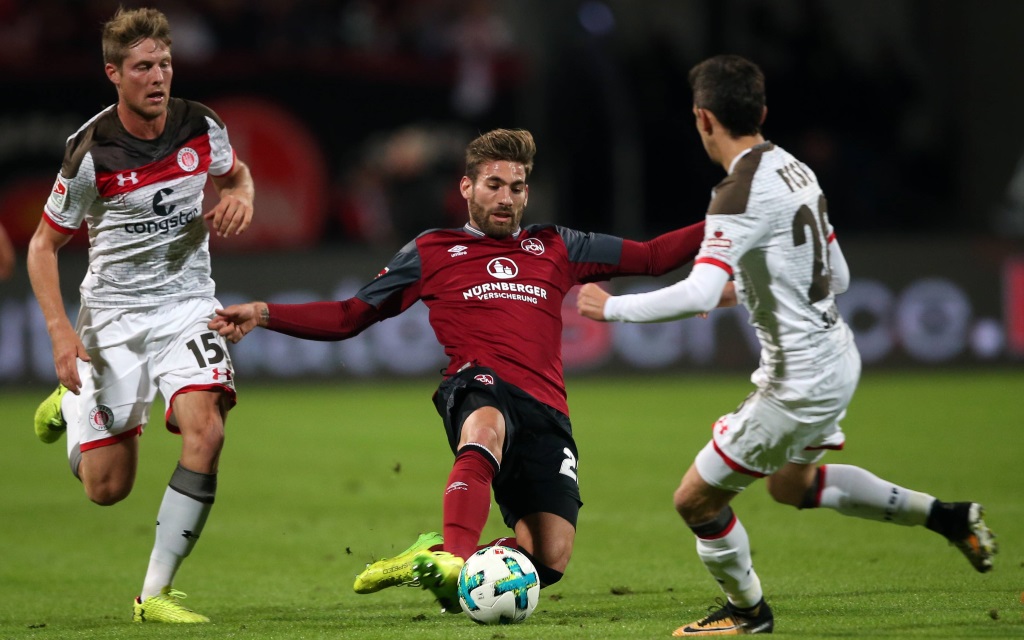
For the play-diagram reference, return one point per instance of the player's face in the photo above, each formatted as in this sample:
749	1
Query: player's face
497	199
144	79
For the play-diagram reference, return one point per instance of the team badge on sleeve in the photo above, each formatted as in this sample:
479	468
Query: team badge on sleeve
58	201
718	240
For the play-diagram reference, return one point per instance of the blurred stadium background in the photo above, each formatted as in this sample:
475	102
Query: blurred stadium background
353	115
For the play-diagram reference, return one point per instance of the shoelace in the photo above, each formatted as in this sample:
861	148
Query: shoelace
177	595
719	611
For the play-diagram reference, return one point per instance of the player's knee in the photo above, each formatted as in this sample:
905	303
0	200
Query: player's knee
554	553
798	490
784	493
206	439
484	434
107	493
687	508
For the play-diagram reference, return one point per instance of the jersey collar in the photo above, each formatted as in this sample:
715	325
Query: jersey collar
470	229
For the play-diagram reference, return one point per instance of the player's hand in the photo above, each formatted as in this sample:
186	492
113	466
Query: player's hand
590	301
231	216
67	351
235	321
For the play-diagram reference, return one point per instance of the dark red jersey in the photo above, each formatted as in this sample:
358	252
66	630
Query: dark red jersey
493	303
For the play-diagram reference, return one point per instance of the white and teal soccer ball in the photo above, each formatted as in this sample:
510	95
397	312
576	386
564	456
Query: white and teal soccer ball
498	585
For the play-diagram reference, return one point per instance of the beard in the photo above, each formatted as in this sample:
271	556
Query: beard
499	230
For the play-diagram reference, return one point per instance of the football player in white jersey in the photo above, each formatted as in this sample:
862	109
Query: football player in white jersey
767	228
134	174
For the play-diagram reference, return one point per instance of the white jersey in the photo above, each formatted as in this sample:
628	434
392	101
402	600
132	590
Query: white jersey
767	225
142	201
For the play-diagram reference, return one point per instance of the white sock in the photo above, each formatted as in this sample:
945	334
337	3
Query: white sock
179	523
852	491
728	560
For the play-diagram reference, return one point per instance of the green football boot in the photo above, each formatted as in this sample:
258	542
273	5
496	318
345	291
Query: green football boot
49	421
165	607
396	571
438	571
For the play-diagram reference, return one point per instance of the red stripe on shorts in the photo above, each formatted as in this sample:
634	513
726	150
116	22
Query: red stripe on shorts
735	466
106	442
173	428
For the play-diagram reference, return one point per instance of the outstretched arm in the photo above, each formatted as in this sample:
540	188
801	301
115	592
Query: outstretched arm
311	321
706	287
664	253
237	320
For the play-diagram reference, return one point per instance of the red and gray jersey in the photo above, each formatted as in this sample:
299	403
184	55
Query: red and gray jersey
493	303
142	201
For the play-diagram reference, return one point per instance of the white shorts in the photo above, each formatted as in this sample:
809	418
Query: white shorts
791	420
136	353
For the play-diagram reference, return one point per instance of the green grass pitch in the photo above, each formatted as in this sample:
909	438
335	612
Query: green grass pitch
317	480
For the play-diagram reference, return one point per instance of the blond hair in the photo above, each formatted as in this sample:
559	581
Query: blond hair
129	27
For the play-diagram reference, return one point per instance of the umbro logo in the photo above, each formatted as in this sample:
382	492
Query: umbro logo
458	250
456	486
124	180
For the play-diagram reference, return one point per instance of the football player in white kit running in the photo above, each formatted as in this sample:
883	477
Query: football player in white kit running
135	174
767	227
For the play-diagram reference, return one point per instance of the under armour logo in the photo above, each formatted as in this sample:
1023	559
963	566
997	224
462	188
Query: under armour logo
217	373
123	180
188	535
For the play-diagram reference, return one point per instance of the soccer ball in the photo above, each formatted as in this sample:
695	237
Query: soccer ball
498	585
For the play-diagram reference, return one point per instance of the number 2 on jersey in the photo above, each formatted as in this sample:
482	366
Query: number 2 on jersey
821	274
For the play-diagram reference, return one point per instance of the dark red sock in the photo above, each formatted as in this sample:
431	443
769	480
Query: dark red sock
467	499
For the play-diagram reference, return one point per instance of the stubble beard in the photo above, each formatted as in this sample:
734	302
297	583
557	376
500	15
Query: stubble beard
498	231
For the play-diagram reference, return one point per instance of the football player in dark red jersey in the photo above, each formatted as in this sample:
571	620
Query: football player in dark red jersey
135	175
494	289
